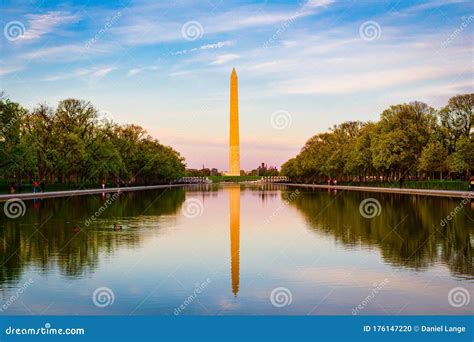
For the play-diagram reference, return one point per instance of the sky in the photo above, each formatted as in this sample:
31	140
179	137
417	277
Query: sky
303	66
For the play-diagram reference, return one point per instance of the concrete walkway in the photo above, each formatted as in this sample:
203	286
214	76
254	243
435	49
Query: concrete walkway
424	192
30	195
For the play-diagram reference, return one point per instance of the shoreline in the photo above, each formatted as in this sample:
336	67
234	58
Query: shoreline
67	193
423	192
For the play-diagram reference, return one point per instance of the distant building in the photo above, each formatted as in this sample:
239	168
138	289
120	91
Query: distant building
263	170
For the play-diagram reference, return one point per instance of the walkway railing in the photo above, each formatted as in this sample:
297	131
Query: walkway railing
275	179
194	180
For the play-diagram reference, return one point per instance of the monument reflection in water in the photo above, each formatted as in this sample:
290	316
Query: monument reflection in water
234	213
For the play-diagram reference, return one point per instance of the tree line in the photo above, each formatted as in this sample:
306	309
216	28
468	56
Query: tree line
74	144
410	141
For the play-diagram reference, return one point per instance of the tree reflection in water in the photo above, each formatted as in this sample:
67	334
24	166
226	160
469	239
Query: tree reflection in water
53	232
408	230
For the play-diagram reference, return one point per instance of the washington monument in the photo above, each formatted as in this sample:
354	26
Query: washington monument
234	144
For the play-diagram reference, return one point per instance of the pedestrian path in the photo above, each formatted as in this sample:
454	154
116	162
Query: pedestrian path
426	192
30	195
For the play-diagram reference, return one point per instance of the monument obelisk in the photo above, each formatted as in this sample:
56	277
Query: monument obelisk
234	144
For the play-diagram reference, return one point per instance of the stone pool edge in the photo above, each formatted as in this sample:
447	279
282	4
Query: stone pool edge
67	193
425	192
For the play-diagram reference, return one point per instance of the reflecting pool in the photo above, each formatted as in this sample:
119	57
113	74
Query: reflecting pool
237	250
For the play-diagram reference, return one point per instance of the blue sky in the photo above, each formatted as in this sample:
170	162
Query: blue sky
303	66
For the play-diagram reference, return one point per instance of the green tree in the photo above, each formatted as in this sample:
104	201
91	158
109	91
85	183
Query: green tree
402	133
462	160
16	157
72	144
433	158
457	117
409	138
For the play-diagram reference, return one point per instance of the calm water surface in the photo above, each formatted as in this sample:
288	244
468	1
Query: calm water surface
233	249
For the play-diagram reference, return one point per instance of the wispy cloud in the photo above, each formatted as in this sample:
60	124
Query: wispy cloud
9	70
435	4
217	45
67	52
319	3
179	73
92	73
223	59
102	72
144	29
364	81
41	24
134	71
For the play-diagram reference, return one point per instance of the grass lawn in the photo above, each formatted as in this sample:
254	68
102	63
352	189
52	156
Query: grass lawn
425	184
217	179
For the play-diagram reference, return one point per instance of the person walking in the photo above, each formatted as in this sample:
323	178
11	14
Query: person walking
103	183
35	186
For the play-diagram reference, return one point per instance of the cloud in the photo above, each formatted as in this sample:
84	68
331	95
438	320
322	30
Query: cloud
83	72
71	74
223	59
134	71
102	72
143	28
41	24
9	70
69	52
319	3
358	81
179	73
434	4
339	62
217	45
